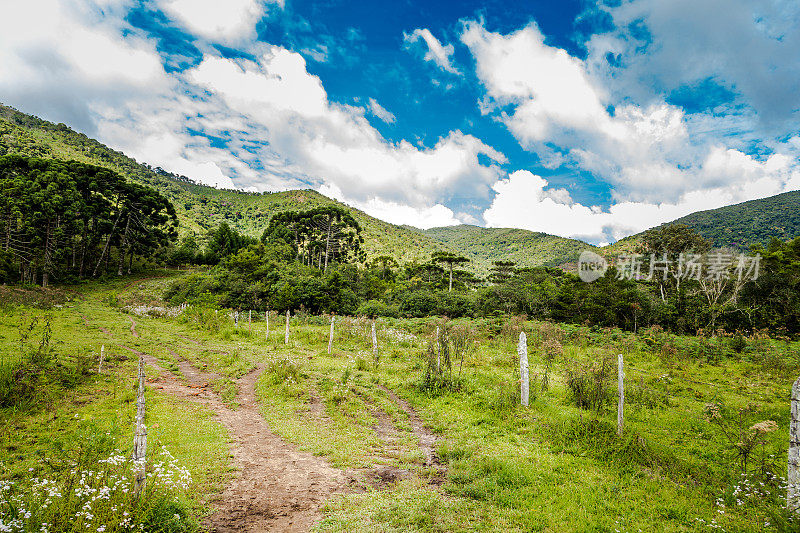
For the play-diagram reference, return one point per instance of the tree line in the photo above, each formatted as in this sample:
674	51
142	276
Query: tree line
287	269
66	220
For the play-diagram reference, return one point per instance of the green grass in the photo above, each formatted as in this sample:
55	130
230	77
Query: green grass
550	467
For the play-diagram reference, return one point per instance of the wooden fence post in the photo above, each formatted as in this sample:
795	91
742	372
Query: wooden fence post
374	343
438	352
793	473
250	321
286	337
140	435
621	387
266	319
330	337
102	356
236	319
522	350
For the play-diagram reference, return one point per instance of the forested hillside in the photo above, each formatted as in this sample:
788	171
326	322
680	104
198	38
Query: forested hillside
525	248
199	208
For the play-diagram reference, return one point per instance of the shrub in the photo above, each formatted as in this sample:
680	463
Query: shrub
589	384
377	308
418	304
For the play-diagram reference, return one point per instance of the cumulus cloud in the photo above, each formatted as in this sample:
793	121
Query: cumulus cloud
440	54
331	143
523	200
379	111
229	22
657	167
748	48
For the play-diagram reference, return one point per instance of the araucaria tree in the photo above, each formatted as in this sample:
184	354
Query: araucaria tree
451	259
68	217
321	235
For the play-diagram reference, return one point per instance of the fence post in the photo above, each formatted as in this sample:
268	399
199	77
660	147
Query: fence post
621	403
250	321
236	319
438	352
102	356
140	436
330	337
266	319
374	343
286	337
522	350
793	473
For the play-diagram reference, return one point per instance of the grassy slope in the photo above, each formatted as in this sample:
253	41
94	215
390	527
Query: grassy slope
526	248
739	226
199	207
509	468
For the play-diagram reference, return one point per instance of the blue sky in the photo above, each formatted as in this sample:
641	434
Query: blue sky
591	120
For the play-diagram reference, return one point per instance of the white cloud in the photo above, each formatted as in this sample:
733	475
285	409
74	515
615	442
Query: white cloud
658	168
436	52
230	22
522	201
379	111
329	143
421	217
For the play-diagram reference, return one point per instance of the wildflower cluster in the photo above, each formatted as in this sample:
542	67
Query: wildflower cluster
99	499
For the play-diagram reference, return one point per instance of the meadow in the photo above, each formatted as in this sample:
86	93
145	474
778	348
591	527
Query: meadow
704	444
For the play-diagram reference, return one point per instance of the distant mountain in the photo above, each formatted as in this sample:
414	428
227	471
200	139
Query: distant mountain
738	226
526	248
200	207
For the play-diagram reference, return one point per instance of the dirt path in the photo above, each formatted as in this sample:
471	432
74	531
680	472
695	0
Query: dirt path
279	488
133	327
427	439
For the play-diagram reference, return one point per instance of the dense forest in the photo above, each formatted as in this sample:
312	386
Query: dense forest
67	219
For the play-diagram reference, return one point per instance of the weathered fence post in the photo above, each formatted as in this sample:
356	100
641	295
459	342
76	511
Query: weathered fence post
250	321
793	473
330	337
102	356
140	435
374	343
438	352
286	337
621	403
522	350
236	319
266	319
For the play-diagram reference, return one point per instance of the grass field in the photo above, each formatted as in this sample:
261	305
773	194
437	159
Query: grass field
695	409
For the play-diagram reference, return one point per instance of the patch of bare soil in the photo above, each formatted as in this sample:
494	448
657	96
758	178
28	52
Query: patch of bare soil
427	439
133	327
279	488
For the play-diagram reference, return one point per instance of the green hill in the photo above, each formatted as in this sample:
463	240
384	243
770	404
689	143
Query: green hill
738	226
199	207
526	248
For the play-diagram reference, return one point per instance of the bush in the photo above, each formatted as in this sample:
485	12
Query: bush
418	304
377	308
589	384
455	305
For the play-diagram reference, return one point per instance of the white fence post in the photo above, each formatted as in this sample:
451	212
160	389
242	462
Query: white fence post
266	319
793	473
621	387
236	319
140	435
286	336
330	337
102	356
249	320
522	350
374	343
